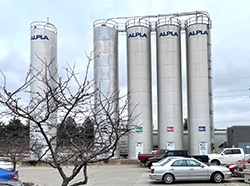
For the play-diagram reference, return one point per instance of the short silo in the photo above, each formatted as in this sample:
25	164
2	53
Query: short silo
198	84
43	65
139	85
169	86
106	68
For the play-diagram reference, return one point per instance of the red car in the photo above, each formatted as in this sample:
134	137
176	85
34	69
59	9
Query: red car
232	166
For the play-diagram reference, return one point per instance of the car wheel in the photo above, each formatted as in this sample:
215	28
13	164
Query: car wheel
217	177
216	162
168	178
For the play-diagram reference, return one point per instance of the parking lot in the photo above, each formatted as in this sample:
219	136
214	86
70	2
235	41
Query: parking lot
108	175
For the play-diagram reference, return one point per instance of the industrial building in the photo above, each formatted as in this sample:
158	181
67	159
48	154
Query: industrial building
238	136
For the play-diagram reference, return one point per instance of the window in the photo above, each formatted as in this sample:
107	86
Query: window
228	152
236	151
180	163
162	152
193	163
153	152
179	153
170	154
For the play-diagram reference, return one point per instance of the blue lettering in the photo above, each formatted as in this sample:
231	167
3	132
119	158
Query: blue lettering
193	33
145	35
175	34
205	32
34	37
137	34
162	34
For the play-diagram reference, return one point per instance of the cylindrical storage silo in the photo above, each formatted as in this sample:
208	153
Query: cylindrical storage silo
106	67
43	66
169	86
106	56
197	39
139	85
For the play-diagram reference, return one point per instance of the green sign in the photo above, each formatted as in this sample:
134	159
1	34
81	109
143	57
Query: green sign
139	129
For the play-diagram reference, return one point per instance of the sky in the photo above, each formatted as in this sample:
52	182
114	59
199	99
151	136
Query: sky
74	21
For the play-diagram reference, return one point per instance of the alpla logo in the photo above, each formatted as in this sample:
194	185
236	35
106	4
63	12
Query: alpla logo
168	33
197	32
138	34
34	37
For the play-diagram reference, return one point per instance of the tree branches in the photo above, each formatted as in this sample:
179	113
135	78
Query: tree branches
70	120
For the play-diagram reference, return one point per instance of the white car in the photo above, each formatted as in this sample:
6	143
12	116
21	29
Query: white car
227	156
6	165
188	169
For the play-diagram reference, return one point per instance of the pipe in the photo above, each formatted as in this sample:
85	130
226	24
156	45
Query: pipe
197	13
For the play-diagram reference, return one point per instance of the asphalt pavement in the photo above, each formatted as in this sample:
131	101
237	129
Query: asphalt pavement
108	175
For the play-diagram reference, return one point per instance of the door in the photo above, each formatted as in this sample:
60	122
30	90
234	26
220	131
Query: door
230	156
180	170
196	171
138	148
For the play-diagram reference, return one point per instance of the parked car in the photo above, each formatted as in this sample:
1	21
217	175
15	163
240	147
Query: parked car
6	165
143	158
183	153
9	178
189	169
226	156
232	166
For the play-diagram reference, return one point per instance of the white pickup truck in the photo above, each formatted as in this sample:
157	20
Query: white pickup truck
227	155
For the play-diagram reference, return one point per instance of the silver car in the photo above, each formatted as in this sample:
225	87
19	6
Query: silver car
188	169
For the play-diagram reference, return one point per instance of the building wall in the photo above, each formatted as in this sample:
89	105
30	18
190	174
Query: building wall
220	136
238	136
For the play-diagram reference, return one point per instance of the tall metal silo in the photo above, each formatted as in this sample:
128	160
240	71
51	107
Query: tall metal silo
106	64
106	48
43	63
198	84
169	83
139	85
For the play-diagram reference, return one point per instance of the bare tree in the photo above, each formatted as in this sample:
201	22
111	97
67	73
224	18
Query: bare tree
98	121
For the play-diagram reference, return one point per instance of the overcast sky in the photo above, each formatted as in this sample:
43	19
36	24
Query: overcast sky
74	21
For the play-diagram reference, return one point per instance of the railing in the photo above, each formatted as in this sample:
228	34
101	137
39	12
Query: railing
44	25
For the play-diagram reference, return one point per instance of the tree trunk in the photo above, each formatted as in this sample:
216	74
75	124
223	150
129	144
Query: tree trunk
85	181
65	182
14	166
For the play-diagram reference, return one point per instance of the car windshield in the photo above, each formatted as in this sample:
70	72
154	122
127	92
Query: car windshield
219	152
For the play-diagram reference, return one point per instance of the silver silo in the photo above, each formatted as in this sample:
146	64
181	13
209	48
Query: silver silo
43	61
106	63
139	85
198	84
106	48
169	83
